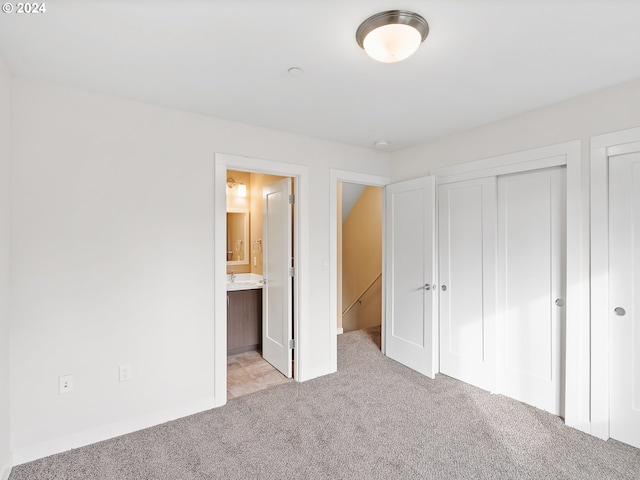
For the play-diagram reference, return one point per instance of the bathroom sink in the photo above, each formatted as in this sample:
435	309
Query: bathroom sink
243	285
245	281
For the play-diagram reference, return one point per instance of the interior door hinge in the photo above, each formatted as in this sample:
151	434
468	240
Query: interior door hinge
292	271
292	199
292	344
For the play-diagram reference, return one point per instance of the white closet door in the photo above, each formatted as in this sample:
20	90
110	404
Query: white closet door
531	286
624	297
410	316
467	226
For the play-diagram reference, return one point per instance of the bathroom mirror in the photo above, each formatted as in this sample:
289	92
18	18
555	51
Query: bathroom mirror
237	236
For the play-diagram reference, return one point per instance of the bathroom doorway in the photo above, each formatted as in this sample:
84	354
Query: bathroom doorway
298	176
260	258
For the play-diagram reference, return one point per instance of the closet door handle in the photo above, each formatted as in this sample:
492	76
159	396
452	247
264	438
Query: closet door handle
427	286
621	312
444	288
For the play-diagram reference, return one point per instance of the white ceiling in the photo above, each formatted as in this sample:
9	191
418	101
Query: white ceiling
483	60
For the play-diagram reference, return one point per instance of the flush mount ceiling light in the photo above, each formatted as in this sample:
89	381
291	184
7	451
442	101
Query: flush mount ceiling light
393	35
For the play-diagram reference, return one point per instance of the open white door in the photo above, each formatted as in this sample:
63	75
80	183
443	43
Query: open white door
278	271
409	319
624	311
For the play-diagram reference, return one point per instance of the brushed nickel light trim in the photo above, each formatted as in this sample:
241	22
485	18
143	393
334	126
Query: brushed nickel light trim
392	17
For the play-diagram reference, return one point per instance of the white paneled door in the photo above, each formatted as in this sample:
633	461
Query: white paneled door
410	317
467	286
278	302
497	311
624	297
531	287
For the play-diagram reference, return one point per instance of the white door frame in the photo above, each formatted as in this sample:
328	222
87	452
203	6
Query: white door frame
577	396
300	173
603	147
336	176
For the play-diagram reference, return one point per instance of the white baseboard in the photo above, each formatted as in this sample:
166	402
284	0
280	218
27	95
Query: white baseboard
340	331
6	470
99	434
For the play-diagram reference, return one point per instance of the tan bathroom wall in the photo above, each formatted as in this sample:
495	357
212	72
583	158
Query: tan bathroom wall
235	201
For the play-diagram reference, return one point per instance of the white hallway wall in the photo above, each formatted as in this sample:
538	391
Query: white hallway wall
5	142
612	109
112	258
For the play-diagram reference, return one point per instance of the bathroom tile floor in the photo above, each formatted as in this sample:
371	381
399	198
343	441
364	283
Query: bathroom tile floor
249	372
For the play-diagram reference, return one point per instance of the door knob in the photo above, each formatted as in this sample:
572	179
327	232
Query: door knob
444	288
619	311
560	302
427	286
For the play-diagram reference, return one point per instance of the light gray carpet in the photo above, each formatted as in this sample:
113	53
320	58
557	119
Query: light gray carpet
374	419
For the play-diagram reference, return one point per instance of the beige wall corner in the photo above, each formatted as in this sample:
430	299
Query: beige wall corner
362	262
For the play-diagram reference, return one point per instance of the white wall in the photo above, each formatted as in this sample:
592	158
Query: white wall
113	261
608	110
112	235
5	142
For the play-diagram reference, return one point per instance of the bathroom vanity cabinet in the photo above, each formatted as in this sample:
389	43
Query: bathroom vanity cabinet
244	320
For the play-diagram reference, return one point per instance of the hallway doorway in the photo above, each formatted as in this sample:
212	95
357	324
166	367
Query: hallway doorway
338	177
359	256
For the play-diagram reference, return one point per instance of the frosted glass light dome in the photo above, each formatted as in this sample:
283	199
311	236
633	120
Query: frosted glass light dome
393	35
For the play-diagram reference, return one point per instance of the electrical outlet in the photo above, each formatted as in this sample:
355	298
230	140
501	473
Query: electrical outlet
125	373
66	383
